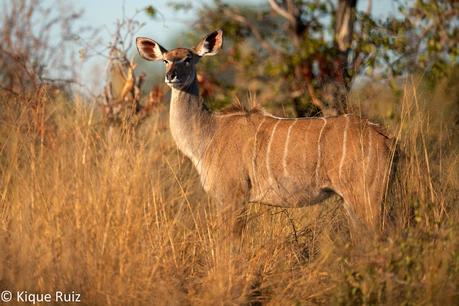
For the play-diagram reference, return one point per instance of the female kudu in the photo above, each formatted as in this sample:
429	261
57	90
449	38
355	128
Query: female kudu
253	156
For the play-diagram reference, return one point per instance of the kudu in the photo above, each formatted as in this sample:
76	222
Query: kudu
252	156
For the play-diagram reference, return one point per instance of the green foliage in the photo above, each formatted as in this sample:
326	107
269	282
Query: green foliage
178	5
263	47
399	273
151	11
422	39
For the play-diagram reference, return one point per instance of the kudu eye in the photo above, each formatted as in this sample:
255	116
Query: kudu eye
165	61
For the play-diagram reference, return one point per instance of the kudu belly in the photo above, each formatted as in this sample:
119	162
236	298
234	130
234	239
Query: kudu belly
289	191
287	168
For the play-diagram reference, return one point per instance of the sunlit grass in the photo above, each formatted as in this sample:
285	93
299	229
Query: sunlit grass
123	220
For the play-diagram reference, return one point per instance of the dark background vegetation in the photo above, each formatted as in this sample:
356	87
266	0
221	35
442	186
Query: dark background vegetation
312	52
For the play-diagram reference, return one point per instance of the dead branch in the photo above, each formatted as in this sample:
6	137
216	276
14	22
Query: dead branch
315	100
283	12
123	105
344	25
236	16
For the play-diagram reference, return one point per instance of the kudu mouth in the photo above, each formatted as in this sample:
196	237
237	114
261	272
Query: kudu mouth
179	83
175	84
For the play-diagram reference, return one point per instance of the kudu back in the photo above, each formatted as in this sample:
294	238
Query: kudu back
252	156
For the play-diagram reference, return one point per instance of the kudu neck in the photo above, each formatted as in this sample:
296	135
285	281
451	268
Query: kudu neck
187	102
190	122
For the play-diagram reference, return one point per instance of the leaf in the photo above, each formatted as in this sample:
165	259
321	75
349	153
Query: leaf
151	11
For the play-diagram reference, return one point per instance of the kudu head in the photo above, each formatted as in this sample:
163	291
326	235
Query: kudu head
180	62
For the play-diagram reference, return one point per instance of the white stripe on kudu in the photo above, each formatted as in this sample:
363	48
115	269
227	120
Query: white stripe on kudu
343	154
319	153
221	150
268	153
369	149
306	139
284	157
254	151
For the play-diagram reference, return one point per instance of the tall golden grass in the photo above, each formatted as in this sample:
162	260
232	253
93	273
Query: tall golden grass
124	221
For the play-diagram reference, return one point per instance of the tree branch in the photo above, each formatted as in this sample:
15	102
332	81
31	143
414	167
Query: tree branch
282	12
232	14
292	13
11	91
344	23
326	111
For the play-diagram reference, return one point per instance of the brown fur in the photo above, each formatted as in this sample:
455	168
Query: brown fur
248	155
239	107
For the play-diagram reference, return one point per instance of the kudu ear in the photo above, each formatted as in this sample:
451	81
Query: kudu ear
211	44
149	49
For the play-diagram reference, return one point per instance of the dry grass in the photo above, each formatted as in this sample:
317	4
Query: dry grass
125	221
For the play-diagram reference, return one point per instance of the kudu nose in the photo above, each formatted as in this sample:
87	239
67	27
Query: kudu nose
171	76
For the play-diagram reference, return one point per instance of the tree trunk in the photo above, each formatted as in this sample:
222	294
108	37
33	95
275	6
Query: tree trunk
330	96
337	87
344	24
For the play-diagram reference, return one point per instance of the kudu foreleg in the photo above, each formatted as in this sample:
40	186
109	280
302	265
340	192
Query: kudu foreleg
233	217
